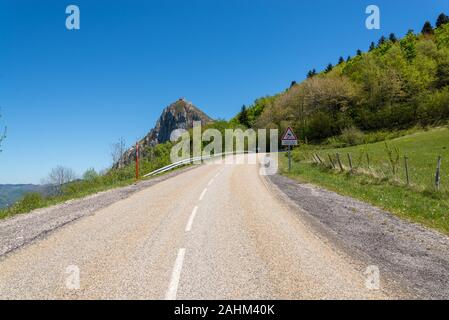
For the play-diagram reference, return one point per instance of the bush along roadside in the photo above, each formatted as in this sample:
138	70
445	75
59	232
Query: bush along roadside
91	182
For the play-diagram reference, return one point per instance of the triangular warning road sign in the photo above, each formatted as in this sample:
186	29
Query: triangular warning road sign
289	135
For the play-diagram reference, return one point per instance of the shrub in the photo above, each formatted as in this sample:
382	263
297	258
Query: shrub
434	107
352	136
29	202
393	157
90	175
319	127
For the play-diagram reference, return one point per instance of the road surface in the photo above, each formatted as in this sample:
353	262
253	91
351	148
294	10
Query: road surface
214	232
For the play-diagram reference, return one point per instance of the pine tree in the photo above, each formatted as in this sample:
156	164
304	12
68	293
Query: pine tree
329	68
311	73
427	28
393	38
408	45
243	117
348	59
341	60
442	19
382	40
372	46
359	52
410	32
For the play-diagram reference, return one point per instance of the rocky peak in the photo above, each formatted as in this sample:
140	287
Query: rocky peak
179	115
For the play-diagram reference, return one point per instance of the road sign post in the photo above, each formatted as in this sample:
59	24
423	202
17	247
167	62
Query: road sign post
289	158
289	139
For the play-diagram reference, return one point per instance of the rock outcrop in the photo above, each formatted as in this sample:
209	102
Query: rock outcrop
179	115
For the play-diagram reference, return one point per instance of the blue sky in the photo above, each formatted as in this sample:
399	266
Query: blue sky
67	95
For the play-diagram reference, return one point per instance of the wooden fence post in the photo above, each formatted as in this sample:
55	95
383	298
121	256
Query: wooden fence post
319	159
406	170
339	162
332	161
367	158
350	161
437	174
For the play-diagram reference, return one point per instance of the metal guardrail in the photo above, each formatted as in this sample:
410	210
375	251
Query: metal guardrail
191	160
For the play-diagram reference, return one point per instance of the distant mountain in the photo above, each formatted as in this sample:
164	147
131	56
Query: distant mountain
179	115
11	193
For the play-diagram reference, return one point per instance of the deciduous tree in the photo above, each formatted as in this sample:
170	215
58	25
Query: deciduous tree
60	176
117	151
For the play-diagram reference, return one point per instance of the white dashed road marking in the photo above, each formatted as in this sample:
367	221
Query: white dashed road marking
176	275
203	194
192	217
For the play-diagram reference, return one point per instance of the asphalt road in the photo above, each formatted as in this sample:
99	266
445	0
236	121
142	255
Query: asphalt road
213	232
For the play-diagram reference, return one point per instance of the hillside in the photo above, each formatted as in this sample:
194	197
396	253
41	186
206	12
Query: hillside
397	84
383	181
360	108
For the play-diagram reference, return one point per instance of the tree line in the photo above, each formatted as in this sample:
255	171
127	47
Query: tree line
398	83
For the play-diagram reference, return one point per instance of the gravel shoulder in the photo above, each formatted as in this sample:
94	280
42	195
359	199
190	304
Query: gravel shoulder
408	255
20	230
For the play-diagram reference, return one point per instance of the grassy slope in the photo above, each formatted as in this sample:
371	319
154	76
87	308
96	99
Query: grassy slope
416	203
80	190
422	149
42	202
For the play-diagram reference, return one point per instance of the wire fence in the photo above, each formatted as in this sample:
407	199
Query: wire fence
394	168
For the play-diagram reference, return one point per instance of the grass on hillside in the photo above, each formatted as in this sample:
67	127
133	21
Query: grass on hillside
115	178
419	202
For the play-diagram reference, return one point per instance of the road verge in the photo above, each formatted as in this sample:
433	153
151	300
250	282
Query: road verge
408	255
20	230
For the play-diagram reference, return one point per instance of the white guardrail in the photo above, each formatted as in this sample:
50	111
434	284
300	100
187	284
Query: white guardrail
190	160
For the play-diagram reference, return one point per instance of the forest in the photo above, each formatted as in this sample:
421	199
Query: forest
397	84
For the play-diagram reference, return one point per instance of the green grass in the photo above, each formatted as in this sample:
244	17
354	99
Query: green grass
371	137
421	148
32	201
419	202
82	188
